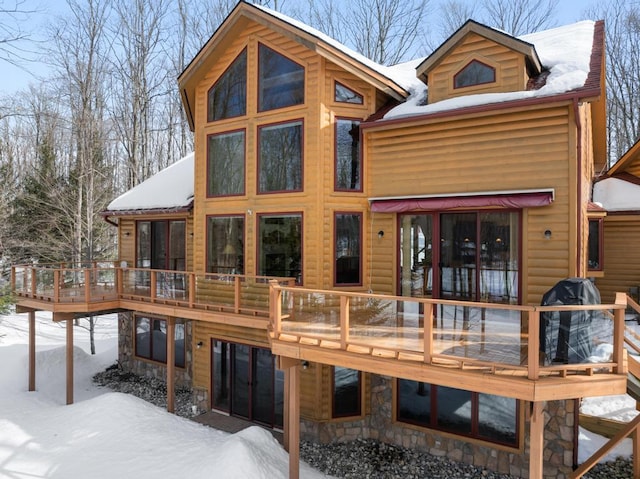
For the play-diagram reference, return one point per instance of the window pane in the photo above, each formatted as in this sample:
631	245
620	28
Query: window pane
474	73
416	258
497	418
143	337
454	409
595	262
278	401
280	248
281	81
348	232
263	366
177	252
458	256
225	172
348	165
143	259
228	97
499	246
221	374
159	346
347	95
346	392
414	402
180	343
280	167
225	242
159	245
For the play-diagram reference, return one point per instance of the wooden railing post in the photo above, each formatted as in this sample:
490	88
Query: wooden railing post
345	301
275	307
34	282
152	286
87	285
56	286
192	289
618	335
13	279
236	294
119	282
428	332
533	345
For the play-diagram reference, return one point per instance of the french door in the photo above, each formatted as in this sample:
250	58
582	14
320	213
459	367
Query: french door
476	256
246	383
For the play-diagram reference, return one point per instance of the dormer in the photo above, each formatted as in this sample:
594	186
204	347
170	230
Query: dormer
479	59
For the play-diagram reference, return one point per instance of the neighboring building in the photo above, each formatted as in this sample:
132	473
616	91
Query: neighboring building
314	165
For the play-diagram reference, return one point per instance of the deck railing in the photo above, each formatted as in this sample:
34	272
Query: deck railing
531	341
106	282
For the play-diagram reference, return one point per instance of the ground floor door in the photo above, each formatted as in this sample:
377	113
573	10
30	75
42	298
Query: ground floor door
246	384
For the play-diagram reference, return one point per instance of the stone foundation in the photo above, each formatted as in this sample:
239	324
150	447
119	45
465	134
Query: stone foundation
379	425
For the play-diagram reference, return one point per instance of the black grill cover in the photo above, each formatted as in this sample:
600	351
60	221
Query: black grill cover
565	337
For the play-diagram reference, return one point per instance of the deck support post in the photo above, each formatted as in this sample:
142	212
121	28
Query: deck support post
536	439
636	454
171	361
69	350
291	369
32	350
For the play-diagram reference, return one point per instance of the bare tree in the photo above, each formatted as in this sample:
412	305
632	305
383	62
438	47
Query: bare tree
14	15
518	17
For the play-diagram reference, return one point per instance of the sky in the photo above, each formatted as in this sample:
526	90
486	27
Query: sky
13	79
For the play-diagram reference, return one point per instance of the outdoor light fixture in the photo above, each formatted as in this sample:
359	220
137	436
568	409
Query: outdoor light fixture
547	234
380	234
127	233
305	364
199	344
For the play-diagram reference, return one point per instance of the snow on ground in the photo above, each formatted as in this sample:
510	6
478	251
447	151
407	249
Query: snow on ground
105	434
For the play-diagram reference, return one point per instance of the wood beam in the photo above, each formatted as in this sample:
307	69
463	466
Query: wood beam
70	361
171	361
32	350
292	381
536	439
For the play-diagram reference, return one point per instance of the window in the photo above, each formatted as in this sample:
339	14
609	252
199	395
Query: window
348	165
227	98
348	248
161	245
225	244
280	157
225	169
280	80
346	392
151	340
347	95
280	246
475	73
482	416
595	244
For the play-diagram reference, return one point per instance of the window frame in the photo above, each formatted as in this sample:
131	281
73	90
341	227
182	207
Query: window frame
471	85
358	412
179	361
359	215
210	171
259	80
280	124
168	244
210	117
208	240
346	102
475	425
259	244
600	222
359	189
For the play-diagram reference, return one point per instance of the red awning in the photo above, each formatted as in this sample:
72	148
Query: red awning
519	199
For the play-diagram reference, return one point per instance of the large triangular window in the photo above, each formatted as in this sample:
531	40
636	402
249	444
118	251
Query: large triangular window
228	96
475	73
280	80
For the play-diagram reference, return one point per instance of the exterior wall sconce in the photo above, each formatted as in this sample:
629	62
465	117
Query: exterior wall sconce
380	234
547	234
127	233
199	344
305	364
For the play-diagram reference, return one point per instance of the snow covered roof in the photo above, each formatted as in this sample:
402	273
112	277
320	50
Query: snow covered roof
615	194
565	51
170	189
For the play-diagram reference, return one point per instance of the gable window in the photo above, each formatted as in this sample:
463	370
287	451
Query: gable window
348	165
346	392
595	244
227	98
481	416
280	80
348	248
343	94
151	340
475	73
226	164
280	246
225	244
161	245
280	157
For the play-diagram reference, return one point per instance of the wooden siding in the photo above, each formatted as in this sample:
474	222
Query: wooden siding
127	241
621	257
503	150
509	66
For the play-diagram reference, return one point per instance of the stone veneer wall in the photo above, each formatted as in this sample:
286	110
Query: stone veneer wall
150	369
379	425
